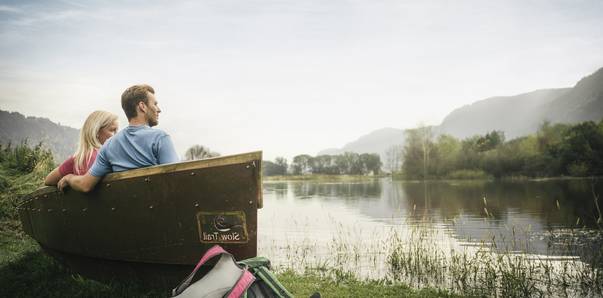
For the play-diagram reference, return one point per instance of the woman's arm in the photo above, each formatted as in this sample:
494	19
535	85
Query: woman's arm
83	183
53	178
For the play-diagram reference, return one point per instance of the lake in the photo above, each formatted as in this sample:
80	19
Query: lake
353	226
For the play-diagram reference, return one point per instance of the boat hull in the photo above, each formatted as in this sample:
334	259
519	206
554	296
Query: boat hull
159	217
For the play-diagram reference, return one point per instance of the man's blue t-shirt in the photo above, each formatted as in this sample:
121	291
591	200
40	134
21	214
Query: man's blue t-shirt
134	147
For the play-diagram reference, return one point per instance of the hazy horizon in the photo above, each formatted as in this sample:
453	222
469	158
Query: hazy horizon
288	77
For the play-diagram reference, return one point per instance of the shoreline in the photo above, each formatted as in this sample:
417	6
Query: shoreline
323	177
344	178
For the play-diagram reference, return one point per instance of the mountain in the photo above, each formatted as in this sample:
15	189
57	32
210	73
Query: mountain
377	141
584	102
16	128
522	114
516	115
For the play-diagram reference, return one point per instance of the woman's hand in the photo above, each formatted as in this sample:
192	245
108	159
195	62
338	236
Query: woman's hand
64	182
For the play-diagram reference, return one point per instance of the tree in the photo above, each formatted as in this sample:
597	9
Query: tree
322	164
447	150
371	163
199	152
273	168
490	141
581	152
281	163
393	158
301	164
418	150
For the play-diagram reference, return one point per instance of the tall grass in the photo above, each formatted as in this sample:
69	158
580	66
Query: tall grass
22	170
486	271
422	257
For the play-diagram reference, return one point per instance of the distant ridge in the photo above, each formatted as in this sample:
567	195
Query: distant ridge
516	115
60	139
584	102
377	141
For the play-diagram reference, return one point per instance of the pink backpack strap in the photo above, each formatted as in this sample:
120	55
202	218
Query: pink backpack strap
242	284
216	250
210	253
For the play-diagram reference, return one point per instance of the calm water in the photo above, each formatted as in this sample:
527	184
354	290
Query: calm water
325	223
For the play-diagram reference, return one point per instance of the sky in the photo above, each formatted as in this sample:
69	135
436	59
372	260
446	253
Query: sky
290	76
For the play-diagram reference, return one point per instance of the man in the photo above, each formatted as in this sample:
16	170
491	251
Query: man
136	146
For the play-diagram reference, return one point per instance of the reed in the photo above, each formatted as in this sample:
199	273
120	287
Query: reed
498	267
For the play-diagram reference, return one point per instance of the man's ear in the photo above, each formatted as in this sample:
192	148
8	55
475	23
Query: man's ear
142	107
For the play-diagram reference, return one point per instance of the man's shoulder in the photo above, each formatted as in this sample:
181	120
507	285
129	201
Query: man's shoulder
136	132
153	133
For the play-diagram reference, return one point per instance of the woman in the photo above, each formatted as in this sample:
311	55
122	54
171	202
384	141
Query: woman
98	127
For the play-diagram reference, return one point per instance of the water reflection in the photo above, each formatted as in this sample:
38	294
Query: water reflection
504	198
514	215
340	191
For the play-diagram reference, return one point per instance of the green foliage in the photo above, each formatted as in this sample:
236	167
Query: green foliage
276	168
420	154
490	141
555	150
349	163
22	170
301	164
468	174
23	158
582	149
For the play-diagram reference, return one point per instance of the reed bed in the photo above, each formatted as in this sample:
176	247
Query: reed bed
423	256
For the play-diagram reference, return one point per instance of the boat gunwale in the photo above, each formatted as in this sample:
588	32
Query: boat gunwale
186	166
164	169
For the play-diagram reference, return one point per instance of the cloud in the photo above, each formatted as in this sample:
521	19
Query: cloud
10	9
48	17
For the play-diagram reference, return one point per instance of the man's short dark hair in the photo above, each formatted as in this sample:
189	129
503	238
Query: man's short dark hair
132	96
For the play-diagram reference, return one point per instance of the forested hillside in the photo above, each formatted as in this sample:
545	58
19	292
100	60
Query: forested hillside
16	128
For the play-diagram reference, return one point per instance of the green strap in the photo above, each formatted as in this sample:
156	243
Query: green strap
272	282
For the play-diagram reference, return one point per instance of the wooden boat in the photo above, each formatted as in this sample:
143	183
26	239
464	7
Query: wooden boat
151	223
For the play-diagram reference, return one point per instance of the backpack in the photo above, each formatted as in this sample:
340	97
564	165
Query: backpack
250	278
265	284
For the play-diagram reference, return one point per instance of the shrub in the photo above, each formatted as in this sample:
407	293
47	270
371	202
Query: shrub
468	174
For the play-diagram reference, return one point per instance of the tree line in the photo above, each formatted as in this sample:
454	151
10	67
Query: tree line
348	163
554	150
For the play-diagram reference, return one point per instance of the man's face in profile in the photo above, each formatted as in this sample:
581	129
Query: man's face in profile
153	110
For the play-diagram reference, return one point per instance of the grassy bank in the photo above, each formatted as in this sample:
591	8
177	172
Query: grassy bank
307	284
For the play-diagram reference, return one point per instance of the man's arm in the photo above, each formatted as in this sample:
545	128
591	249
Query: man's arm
167	152
83	183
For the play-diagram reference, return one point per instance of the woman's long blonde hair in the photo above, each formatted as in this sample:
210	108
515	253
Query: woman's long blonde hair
89	137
